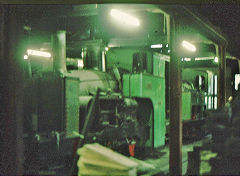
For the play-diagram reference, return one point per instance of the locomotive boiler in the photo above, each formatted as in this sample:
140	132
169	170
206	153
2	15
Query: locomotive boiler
58	101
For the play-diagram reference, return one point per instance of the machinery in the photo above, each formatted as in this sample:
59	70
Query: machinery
193	103
95	82
58	102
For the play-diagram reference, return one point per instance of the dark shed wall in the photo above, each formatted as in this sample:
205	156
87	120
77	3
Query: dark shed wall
11	91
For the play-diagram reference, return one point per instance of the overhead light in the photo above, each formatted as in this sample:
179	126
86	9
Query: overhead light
25	57
157	46
203	58
187	59
124	18
38	53
188	46
216	59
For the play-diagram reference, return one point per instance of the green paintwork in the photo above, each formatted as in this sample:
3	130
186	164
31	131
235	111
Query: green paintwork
148	85
158	65
186	105
122	58
152	87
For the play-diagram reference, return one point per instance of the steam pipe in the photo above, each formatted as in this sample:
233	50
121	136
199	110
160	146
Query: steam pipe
59	51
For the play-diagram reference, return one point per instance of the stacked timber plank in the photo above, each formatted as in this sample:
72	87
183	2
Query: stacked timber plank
97	160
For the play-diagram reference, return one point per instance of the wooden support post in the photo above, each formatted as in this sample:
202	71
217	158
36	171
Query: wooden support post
11	92
221	76
175	160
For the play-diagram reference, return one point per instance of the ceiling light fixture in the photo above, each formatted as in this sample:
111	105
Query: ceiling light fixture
157	46
124	18
188	46
38	53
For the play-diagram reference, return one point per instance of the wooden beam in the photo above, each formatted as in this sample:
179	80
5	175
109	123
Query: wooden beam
221	91
11	121
175	161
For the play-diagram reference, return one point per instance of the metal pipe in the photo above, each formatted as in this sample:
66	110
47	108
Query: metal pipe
103	61
59	51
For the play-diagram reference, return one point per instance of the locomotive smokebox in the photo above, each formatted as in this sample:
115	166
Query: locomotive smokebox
59	51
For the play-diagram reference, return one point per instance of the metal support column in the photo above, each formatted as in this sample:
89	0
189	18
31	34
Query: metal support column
221	77
175	160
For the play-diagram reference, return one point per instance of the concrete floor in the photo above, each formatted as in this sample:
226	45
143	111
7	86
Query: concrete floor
162	163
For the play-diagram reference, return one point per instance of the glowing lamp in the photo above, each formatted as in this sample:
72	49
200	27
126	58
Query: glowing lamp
25	57
38	53
157	46
124	18
188	46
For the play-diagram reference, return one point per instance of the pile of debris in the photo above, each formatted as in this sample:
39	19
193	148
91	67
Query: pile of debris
98	160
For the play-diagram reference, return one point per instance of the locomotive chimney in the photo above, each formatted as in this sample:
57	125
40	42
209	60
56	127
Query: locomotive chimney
59	51
92	60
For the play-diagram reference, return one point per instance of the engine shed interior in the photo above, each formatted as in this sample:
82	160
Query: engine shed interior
115	74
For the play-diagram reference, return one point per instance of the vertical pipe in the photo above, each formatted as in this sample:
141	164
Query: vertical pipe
59	51
221	77
175	158
103	61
